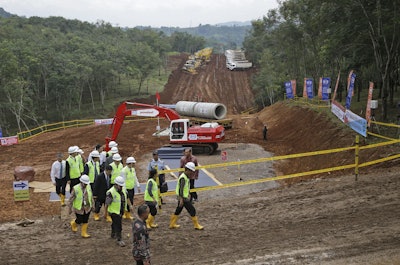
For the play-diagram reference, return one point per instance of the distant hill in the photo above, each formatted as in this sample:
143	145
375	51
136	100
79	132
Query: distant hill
4	13
229	35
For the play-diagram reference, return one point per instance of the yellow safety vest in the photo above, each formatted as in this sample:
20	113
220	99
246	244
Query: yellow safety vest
154	190
130	179
78	201
116	171
74	171
185	188
91	170
115	206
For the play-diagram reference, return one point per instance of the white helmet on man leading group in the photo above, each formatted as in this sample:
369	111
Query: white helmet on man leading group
84	179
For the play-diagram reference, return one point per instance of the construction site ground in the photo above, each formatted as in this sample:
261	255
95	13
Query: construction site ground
325	219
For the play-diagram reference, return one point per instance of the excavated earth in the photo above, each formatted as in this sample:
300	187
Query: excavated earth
330	218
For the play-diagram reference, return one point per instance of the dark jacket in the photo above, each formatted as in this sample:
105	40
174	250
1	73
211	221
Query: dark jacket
101	186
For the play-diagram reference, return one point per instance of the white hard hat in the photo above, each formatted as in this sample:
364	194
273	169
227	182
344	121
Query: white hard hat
130	159
114	150
72	150
191	166
84	179
117	157
80	151
95	153
112	144
119	181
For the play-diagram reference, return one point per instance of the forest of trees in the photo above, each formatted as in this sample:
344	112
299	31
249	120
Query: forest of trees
51	67
314	38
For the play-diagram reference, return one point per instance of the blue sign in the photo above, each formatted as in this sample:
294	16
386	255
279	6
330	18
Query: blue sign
326	83
289	90
309	88
351	89
1	133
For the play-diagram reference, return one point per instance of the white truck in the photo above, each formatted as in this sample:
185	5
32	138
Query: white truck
236	59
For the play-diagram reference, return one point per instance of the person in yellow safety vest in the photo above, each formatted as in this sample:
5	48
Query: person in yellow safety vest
182	191
109	158
82	203
116	167
72	171
92	168
131	181
81	159
116	205
152	198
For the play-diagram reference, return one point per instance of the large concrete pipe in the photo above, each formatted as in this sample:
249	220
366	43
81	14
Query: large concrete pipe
215	111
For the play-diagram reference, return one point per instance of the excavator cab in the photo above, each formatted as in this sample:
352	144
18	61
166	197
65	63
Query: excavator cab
178	130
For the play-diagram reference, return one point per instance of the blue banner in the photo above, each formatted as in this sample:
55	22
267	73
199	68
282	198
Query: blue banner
326	83
1	133
288	89
309	88
350	90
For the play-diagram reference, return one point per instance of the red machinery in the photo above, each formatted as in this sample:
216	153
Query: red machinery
204	138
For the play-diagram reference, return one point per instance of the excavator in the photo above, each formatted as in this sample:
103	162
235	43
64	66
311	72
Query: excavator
202	138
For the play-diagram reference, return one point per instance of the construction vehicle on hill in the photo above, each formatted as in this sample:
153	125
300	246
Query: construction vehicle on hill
202	139
197	59
236	59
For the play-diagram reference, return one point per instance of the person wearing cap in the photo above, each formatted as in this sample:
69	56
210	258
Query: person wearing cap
157	164
116	205
116	166
92	167
72	170
182	192
101	186
131	181
57	175
152	198
109	159
81	202
140	234
188	157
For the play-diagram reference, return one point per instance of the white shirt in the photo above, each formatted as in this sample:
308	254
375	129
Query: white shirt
56	170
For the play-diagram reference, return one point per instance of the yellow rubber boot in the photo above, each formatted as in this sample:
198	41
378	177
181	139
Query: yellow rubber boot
74	226
127	215
174	219
108	218
152	224
148	222
62	199
84	233
196	223
96	217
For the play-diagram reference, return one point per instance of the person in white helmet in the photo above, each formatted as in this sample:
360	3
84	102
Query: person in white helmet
116	205
116	166
82	203
131	181
92	167
111	144
182	192
72	170
109	159
81	158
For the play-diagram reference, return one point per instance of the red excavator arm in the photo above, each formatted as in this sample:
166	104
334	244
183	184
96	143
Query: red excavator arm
137	109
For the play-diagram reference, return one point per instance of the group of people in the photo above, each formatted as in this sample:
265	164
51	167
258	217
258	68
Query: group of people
102	179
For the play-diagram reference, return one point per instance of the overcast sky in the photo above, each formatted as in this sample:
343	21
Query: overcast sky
155	13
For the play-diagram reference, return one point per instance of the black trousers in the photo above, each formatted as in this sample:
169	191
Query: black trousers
188	206
97	205
82	218
193	195
130	194
60	185
73	183
152	207
116	225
